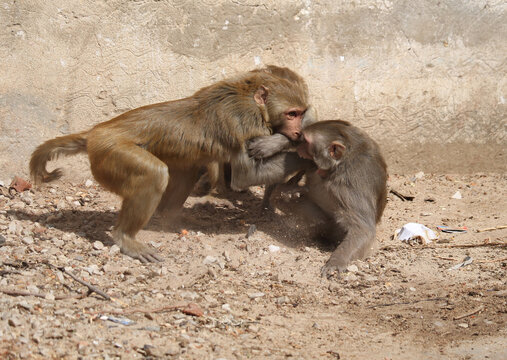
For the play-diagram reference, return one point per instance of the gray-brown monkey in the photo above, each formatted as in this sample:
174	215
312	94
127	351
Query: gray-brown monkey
346	188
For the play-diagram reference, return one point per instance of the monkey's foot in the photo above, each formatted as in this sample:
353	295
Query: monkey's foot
333	268
139	251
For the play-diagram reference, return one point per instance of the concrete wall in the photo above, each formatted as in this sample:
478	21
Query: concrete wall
425	78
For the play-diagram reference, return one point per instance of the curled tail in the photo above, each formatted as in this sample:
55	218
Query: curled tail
52	149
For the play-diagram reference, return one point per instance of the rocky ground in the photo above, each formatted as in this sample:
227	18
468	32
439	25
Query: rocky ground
221	295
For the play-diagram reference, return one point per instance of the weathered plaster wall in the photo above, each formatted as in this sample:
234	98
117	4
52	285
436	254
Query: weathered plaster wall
425	78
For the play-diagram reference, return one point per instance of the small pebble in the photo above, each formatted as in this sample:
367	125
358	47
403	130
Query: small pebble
273	248
98	245
14	321
352	268
227	257
457	195
88	183
463	325
28	240
12	227
189	295
172	349
256	295
209	260
115	249
282	300
251	230
212	273
26	198
419	175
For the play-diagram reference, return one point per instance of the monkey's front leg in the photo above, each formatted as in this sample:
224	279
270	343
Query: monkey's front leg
356	240
265	146
248	171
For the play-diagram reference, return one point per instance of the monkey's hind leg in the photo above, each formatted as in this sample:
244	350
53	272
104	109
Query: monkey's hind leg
140	179
181	183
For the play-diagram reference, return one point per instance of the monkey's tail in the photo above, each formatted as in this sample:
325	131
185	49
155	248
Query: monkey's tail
52	149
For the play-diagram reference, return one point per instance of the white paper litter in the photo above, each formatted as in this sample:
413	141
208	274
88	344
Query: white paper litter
414	231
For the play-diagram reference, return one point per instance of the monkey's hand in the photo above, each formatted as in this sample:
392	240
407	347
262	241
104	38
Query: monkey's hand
266	146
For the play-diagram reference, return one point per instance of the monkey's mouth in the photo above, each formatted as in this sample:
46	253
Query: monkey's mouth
322	173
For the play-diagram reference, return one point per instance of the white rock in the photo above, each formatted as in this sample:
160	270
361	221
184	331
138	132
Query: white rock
12	227
18	206
88	183
209	260
463	325
60	276
28	240
282	300
189	295
227	257
14	321
115	249
113	267
98	245
352	268
457	195
273	248
58	242
256	295
27	199
33	289
226	307
92	269
419	175
67	236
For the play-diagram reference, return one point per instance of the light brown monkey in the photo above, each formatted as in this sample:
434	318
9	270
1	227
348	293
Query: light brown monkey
346	185
152	156
219	174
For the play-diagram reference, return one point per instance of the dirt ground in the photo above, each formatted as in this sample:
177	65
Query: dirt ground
257	297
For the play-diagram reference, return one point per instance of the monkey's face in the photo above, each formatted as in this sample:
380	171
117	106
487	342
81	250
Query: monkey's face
291	122
284	113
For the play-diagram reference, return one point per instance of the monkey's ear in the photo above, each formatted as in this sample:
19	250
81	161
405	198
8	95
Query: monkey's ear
336	150
261	95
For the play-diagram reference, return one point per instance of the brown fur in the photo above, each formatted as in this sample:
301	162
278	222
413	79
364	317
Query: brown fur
151	156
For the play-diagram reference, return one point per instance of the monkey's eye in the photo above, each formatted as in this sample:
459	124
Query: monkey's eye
292	114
